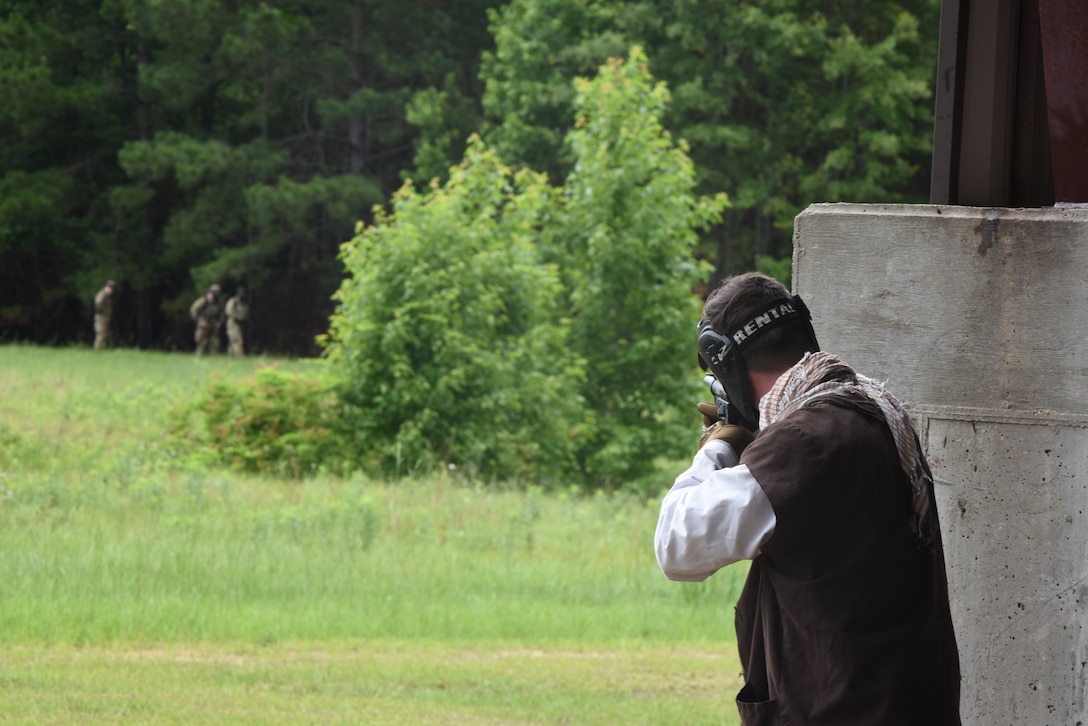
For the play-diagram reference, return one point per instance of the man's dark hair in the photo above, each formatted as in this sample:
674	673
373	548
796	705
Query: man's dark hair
742	297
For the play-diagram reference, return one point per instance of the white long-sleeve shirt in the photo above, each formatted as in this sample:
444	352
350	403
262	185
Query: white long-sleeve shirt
715	514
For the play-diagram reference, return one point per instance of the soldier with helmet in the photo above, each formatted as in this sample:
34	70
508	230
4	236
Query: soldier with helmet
103	311
237	322
207	312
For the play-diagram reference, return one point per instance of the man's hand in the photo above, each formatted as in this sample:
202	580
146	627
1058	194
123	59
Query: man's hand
709	411
736	436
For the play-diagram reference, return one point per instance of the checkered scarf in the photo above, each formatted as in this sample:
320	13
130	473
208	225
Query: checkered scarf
823	378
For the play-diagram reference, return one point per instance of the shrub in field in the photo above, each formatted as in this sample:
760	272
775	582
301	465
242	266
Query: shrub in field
531	331
276	422
11	444
627	242
449	342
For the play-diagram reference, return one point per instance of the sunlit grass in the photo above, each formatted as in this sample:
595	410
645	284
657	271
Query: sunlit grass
383	683
432	600
195	558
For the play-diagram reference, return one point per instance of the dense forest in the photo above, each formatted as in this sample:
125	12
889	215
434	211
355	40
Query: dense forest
170	144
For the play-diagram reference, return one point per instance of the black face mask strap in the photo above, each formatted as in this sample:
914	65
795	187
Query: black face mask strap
721	353
779	312
734	397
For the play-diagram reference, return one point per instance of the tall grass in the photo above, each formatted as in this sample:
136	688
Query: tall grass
139	585
106	536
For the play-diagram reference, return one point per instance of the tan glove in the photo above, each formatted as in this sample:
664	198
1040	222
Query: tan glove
709	411
736	436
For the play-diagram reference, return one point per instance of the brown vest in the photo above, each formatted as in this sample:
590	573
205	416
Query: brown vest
843	619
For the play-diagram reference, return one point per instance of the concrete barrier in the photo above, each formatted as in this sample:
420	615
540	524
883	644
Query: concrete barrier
978	320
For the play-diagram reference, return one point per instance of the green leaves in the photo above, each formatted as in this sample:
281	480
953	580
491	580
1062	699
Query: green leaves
215	114
276	422
540	47
525	331
628	237
873	127
787	103
448	339
784	102
191	162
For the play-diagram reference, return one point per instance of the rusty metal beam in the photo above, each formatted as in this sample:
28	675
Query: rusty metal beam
1032	183
1064	28
1011	104
948	102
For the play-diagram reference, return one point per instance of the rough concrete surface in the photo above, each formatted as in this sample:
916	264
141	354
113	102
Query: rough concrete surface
978	320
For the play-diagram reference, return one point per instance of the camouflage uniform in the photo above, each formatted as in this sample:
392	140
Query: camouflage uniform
237	319
103	311
207	312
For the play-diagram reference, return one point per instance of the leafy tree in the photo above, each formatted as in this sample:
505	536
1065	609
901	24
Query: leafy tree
446	118
783	102
448	338
59	105
166	143
245	185
628	236
527	330
541	46
787	103
306	102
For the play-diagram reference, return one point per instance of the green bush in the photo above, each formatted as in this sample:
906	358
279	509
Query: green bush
448	342
275	422
533	332
628	239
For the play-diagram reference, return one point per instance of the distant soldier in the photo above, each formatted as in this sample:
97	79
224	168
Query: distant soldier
237	322
103	311
207	312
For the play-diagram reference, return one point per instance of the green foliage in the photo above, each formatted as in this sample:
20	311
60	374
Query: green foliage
784	102
122	559
448	340
276	422
527	331
787	103
60	104
28	205
287	214
779	269
179	134
540	47
446	119
627	241
209	182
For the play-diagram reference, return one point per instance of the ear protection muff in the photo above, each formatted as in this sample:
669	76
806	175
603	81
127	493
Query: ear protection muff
721	355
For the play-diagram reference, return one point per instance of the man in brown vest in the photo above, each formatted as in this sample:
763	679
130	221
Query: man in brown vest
814	473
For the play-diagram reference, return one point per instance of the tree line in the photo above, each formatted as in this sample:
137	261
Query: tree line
169	144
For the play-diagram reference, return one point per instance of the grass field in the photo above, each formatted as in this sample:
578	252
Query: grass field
139	587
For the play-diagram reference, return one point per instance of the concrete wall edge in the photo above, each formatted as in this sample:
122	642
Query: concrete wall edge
947	210
1039	417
